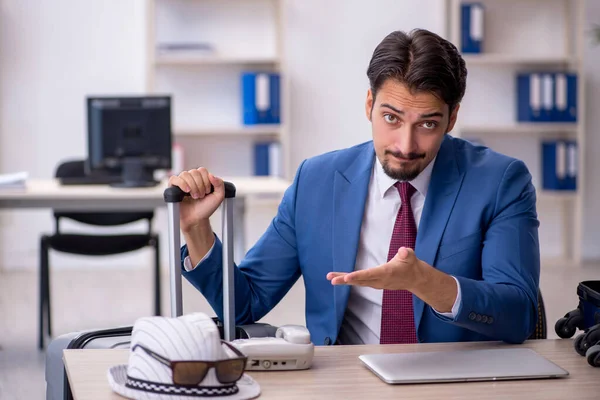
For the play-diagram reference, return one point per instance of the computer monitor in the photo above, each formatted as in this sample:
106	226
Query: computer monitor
130	136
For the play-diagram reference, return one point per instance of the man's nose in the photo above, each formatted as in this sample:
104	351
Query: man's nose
406	140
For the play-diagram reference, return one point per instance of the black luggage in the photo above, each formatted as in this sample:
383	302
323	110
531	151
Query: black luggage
585	317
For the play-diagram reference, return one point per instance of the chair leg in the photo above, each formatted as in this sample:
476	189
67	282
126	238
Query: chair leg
42	292
48	296
157	295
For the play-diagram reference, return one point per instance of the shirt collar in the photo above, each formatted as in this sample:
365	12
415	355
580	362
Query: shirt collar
385	182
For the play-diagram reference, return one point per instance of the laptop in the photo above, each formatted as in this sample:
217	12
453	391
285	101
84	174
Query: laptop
461	366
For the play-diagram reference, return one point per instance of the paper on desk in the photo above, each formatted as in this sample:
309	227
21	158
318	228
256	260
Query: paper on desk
14	180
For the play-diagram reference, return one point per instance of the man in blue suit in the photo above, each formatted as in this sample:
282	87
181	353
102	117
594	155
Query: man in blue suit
414	236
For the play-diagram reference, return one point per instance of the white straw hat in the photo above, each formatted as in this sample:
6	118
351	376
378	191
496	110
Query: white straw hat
157	340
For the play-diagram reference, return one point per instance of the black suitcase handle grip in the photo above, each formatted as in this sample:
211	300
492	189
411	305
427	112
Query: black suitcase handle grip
174	194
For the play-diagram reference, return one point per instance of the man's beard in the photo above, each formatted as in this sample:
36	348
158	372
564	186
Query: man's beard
404	174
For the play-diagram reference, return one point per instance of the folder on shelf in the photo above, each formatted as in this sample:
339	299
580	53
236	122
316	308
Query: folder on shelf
572	164
559	165
565	97
260	98
274	116
529	97
547	97
267	159
471	27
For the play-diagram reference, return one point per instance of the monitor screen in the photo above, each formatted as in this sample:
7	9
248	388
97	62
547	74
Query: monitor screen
129	131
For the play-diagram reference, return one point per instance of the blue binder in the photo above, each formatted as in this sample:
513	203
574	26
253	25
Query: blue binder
260	98
267	159
559	165
471	27
572	165
274	116
529	98
547	98
261	159
565	97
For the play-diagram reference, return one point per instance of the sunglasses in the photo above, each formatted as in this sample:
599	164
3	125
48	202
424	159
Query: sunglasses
191	373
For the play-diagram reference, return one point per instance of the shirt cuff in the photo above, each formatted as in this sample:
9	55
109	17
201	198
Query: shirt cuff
187	263
456	305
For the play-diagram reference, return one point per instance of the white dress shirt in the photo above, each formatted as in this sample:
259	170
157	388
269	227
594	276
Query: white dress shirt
362	321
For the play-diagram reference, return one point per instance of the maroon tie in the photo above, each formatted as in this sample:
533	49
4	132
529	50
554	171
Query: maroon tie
397	318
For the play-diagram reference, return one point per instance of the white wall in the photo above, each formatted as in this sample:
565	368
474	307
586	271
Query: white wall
52	54
591	237
329	52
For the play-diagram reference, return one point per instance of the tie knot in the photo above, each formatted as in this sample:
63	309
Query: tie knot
406	191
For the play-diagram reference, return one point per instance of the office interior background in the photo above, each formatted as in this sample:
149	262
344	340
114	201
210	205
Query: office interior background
55	53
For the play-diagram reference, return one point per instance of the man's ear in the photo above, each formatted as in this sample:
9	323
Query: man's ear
369	105
453	118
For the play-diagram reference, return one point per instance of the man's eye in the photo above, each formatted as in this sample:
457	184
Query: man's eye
389	118
429	124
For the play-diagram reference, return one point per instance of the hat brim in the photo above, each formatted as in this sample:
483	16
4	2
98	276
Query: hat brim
117	376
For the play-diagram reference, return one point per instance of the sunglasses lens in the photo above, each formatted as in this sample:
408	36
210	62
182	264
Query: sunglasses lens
188	373
230	371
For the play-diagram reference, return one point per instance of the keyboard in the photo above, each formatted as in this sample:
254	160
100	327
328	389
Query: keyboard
90	180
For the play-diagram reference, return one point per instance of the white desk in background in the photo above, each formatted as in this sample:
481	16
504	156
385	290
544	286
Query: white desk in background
49	193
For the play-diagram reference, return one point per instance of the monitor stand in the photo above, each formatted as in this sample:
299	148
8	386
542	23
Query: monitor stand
135	174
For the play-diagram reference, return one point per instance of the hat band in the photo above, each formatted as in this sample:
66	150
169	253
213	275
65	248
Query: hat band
167	388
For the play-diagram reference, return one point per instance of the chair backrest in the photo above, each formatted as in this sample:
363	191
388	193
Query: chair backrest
541	330
76	169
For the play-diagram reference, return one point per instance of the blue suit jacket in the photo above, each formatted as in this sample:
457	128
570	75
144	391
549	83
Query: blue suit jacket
479	223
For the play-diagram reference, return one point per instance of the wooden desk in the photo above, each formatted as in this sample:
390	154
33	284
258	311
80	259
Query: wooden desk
338	374
49	193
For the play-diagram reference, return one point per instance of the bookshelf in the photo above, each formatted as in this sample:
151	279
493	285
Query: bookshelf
518	59
244	131
196	52
174	59
525	36
520	129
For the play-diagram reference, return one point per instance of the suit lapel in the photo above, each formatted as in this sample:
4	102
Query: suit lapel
349	197
446	180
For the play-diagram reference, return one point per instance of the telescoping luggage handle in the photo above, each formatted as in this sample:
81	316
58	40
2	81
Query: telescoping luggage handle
173	196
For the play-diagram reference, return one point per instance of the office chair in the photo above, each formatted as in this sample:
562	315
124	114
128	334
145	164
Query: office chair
91	245
541	330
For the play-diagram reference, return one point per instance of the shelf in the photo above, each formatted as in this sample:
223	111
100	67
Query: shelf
190	59
556	262
547	195
520	128
517	59
256	130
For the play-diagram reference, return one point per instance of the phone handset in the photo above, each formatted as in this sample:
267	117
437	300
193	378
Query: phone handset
290	349
294	334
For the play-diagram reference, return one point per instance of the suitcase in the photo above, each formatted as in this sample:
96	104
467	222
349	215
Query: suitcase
585	317
58	387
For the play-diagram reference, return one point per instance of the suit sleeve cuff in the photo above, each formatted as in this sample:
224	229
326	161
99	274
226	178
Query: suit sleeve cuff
456	305
187	263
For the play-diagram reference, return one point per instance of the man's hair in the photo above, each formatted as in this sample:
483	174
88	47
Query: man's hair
421	60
